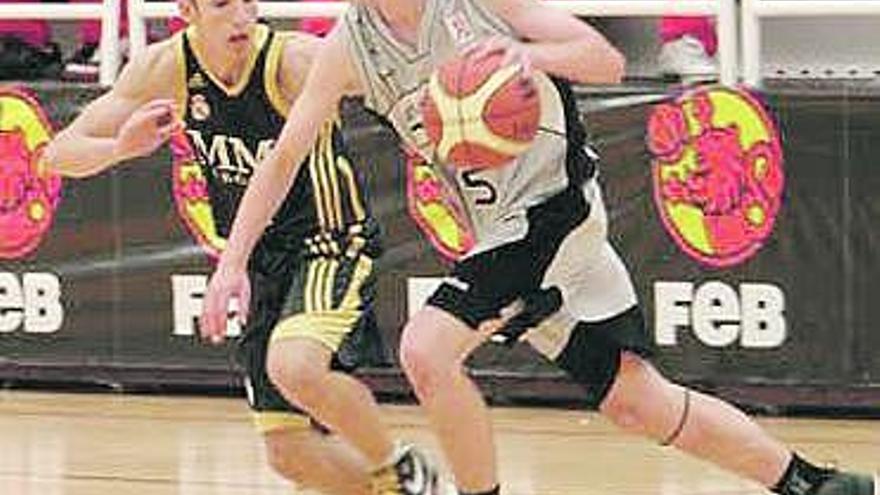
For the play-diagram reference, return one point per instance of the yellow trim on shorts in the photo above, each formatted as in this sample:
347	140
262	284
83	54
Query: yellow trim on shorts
362	270
328	328
266	421
321	321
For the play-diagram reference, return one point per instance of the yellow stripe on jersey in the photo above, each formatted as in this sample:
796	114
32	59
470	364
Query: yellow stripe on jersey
270	73
324	196
316	190
181	93
357	205
330	157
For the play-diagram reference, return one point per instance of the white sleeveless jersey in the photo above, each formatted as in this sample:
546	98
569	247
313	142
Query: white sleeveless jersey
394	74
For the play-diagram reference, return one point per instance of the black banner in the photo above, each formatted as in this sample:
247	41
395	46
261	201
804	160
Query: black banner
755	264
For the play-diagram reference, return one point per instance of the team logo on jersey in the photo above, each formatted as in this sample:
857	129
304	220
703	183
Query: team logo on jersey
199	107
196	82
29	192
436	210
190	191
717	173
459	27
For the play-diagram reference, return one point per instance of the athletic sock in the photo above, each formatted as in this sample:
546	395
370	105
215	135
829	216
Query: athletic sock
801	477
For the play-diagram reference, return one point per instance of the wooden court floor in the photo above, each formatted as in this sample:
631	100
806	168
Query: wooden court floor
101	444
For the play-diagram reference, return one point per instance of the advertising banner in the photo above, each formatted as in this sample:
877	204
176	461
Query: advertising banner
746	221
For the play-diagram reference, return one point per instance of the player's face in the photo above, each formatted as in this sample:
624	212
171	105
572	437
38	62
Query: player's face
225	25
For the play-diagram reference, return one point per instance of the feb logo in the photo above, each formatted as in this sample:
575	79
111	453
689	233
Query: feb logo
435	210
29	192
190	189
717	173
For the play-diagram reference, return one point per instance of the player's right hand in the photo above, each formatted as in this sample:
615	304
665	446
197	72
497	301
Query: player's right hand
226	284
147	128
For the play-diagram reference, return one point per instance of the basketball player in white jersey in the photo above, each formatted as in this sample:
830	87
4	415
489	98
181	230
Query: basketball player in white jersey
541	268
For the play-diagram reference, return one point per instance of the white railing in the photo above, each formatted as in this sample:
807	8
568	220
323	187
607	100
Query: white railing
724	10
107	12
755	10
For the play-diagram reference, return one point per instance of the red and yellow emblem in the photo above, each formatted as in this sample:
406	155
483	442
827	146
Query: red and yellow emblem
29	192
190	189
717	173
435	210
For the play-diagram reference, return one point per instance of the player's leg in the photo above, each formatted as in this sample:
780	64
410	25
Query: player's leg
297	450
439	338
328	307
644	402
314	459
300	368
607	353
434	345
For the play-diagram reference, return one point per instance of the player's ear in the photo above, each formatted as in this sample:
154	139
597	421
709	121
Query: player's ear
188	9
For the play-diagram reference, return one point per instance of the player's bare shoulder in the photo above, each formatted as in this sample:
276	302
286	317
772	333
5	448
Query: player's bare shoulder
153	73
297	55
303	51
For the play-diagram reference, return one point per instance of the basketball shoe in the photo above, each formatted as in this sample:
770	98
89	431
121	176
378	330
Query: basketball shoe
411	473
844	483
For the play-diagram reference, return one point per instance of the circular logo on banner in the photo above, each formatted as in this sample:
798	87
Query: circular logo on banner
29	192
190	189
717	173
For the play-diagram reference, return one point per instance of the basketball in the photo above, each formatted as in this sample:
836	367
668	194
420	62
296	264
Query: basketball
479	113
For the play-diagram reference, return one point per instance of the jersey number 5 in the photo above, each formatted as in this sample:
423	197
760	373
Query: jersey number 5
487	193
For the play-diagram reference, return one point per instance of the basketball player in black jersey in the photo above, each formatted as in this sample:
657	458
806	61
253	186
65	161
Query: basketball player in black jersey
540	246
228	83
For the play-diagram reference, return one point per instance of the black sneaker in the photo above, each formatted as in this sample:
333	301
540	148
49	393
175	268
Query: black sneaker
23	61
843	483
84	64
411	474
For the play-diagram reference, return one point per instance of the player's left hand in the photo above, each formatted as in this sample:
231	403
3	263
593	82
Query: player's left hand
515	52
226	284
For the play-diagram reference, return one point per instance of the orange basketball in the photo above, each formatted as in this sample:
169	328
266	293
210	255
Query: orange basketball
478	113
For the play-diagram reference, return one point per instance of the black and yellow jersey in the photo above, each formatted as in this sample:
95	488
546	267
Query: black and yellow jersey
233	129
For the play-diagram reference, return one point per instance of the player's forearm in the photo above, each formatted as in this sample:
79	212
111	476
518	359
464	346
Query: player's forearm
80	156
588	61
262	198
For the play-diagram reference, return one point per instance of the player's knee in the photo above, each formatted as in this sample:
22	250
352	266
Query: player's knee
421	367
425	357
295	375
635	398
